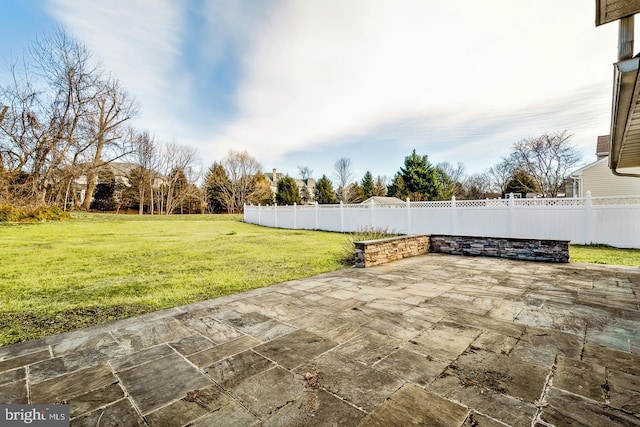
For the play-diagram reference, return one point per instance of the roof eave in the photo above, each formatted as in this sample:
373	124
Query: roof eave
625	115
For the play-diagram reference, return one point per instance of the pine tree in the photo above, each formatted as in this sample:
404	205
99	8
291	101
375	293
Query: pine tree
288	192
368	186
324	191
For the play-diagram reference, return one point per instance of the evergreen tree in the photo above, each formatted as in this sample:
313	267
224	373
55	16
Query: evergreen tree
324	191
520	183
420	180
368	186
397	188
104	194
288	192
216	188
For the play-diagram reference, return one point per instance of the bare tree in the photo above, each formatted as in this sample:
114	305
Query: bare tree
62	113
236	181
499	176
178	162
107	137
305	172
343	175
476	186
547	159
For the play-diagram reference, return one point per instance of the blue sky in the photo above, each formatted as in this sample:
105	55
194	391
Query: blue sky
305	82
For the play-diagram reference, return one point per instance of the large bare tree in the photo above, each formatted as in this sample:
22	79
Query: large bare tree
343	174
63	112
547	159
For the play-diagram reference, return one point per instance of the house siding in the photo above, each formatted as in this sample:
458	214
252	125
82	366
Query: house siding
599	179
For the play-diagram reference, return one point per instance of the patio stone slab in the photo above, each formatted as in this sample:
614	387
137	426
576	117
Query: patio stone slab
112	415
14	392
94	400
315	408
295	348
268	391
24	360
567	409
504	408
612	358
415	367
412	405
13	375
139	336
70	362
581	378
501	374
232	370
140	357
191	344
222	351
210	405
369	348
359	385
161	381
69	386
213	329
446	341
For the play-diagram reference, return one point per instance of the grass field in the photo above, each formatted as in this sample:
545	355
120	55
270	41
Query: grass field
59	276
601	254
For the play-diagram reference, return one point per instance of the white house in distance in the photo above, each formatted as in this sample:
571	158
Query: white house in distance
597	178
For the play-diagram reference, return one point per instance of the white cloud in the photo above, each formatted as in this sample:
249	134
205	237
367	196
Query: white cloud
139	41
323	70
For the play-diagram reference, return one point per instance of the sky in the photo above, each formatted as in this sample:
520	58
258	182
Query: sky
306	82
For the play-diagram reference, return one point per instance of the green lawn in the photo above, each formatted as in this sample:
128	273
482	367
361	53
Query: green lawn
601	254
59	276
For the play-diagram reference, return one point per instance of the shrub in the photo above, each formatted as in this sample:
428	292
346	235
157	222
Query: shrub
10	213
366	233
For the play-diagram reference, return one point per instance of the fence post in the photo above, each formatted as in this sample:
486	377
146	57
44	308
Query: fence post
259	216
341	217
373	224
511	215
295	220
587	219
453	216
317	215
408	216
275	215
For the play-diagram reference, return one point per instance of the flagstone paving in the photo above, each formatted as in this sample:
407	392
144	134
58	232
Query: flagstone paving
434	340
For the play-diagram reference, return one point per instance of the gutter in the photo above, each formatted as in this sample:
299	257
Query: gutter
625	83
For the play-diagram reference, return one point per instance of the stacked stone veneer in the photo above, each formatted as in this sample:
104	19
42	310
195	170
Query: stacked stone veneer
524	249
375	252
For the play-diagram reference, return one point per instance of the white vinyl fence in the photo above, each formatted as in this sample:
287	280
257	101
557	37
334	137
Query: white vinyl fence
613	221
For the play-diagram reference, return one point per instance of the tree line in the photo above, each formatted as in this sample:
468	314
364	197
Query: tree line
66	140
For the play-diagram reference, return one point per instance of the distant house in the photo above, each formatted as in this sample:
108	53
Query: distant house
121	172
306	187
384	201
597	178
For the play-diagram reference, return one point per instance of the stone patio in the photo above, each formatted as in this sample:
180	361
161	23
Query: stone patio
434	340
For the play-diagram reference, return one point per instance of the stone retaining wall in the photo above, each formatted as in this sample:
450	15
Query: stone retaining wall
523	249
375	252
